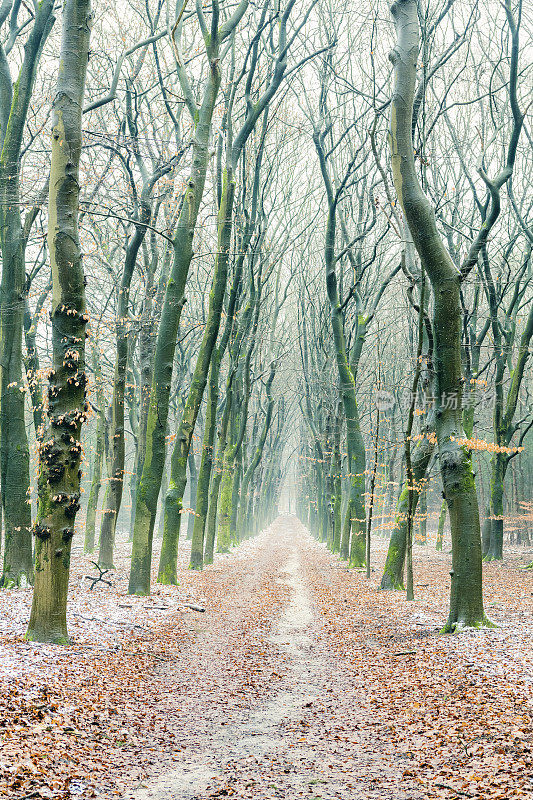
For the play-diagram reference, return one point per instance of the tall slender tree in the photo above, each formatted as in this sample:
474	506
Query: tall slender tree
60	450
466	599
202	116
14	452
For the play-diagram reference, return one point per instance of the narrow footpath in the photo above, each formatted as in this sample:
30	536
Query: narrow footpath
343	691
290	740
299	680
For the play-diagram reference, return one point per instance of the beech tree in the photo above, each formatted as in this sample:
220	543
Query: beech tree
14	453
466	600
60	448
150	479
305	281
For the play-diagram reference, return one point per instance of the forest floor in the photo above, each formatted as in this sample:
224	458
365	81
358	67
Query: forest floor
300	679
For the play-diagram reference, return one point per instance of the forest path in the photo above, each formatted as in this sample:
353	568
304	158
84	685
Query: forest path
301	679
299	730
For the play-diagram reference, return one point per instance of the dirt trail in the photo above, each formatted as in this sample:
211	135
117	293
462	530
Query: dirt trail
301	679
253	746
257	732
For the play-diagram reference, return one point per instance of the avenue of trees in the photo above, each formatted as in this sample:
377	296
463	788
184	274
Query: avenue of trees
265	251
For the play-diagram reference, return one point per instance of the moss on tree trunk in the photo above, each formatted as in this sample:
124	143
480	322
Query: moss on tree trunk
392	577
440	530
466	600
182	445
150	481
206	465
14	451
60	450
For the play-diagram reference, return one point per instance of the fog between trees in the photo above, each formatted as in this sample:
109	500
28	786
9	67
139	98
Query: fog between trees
259	256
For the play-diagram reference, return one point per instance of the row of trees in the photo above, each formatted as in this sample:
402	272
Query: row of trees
468	271
266	279
188	175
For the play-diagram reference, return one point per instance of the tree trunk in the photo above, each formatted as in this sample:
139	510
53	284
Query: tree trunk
224	541
226	534
423	516
372	492
178	474
98	459
32	365
151	312
193	485
206	464
60	450
440	529
14	450
212	513
346	530
337	494
235	495
154	461
499	463
504	430
354	440
244	524
115	485
466	600
15	455
394	564
161	518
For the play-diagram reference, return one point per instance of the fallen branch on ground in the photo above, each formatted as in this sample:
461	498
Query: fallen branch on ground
99	578
194	607
405	653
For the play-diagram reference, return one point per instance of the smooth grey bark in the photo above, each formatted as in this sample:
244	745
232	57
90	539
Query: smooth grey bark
98	457
150	480
14	451
152	471
466	599
193	483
